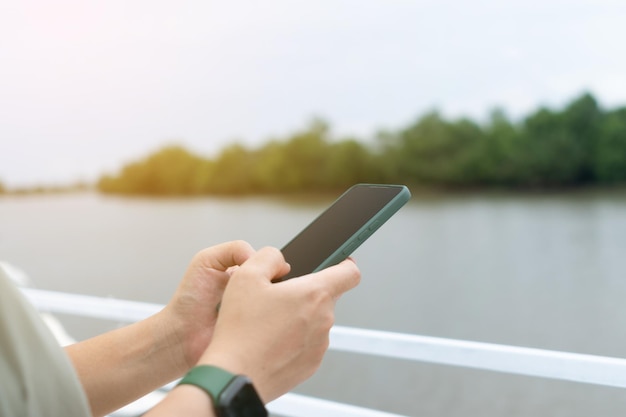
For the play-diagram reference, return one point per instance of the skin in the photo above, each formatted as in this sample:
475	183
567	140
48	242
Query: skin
276	334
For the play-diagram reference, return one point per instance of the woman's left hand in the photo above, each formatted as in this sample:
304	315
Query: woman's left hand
192	311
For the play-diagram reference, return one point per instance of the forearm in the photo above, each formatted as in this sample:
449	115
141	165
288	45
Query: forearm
274	334
120	366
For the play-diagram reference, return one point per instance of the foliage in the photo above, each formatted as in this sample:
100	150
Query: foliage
609	158
172	170
434	150
578	145
557	147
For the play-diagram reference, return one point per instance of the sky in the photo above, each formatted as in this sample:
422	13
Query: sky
88	86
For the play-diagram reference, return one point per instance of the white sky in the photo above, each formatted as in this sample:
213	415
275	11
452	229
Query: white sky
86	86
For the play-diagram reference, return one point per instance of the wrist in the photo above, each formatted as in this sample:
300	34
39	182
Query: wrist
231	395
170	331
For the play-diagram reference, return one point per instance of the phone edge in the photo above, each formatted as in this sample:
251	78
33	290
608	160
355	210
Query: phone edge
354	242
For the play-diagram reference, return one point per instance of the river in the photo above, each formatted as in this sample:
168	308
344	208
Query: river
541	270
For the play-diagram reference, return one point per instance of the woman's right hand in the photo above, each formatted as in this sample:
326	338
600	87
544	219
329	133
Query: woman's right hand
276	334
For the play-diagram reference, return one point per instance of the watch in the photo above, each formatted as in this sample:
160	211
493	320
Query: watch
232	395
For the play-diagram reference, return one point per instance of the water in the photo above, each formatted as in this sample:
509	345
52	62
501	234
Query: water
544	271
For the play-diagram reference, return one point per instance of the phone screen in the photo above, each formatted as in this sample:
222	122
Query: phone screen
338	225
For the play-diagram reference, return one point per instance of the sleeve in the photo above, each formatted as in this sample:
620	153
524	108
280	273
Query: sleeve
36	376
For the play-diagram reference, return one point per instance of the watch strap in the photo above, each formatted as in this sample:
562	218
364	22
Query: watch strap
210	379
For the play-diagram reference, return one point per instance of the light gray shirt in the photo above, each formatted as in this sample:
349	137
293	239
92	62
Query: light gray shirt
36	376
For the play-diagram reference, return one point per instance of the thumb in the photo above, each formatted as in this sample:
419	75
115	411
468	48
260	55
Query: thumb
224	256
339	278
265	265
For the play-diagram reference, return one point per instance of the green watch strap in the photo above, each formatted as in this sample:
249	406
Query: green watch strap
210	379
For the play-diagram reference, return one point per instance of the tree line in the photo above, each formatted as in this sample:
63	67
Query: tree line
580	144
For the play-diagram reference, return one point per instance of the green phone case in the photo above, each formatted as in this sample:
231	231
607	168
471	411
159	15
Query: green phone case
368	228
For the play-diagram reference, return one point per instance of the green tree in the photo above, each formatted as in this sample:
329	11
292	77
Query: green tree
312	160
232	172
583	120
579	144
496	162
270	166
436	151
558	146
305	155
170	171
349	162
610	155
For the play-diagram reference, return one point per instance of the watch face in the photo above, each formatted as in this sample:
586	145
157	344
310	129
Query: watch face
240	399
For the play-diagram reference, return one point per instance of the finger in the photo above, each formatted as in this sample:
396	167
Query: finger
339	278
226	255
268	263
230	271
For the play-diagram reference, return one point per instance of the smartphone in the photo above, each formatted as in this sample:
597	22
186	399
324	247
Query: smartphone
343	227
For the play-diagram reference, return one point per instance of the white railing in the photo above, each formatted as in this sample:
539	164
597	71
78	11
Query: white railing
502	358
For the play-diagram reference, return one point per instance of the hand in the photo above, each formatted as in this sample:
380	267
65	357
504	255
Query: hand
276	334
192	311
